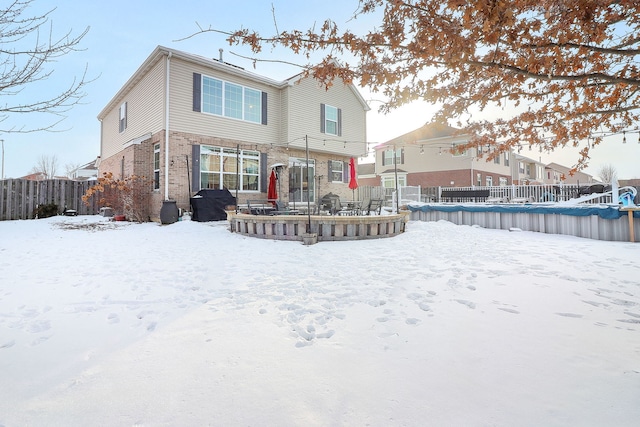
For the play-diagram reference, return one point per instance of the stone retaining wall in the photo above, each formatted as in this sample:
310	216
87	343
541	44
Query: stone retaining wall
326	227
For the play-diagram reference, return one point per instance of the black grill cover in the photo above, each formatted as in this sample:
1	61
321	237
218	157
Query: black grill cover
209	205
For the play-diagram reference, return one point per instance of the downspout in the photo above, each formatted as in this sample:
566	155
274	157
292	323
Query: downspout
166	127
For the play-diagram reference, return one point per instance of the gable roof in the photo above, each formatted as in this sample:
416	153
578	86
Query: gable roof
366	169
565	170
215	64
297	77
427	132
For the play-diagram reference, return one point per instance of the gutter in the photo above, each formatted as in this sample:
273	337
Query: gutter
166	127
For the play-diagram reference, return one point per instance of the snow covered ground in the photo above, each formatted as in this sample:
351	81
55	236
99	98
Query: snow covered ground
121	324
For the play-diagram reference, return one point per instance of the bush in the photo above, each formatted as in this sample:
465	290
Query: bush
46	211
130	197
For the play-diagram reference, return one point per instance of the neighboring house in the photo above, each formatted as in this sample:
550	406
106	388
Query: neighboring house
191	123
635	182
428	157
36	176
367	174
85	172
556	174
526	171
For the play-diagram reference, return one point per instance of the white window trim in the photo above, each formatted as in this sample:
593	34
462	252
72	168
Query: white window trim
156	182
122	117
333	170
327	120
456	153
242	154
391	177
389	159
223	101
303	163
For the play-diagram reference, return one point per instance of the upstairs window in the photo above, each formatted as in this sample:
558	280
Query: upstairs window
123	117
506	159
330	120
457	151
388	158
221	98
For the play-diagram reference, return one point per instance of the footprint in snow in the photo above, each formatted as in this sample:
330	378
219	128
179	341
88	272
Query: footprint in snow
577	316
469	304
424	307
39	326
629	320
8	344
509	310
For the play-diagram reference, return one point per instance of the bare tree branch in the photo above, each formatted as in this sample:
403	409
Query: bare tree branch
28	48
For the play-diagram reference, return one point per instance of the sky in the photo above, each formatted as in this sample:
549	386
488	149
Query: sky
124	324
123	33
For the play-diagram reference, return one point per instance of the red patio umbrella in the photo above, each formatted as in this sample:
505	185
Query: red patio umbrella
353	184
272	191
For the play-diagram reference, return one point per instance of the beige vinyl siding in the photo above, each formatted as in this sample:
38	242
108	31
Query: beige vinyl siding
437	158
145	112
304	99
184	119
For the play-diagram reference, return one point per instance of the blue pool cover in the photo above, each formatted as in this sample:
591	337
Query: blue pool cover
603	211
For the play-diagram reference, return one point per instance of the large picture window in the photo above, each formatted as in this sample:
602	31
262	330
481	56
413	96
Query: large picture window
231	100
226	168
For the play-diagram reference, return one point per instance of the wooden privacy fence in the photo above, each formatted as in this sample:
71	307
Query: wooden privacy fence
19	198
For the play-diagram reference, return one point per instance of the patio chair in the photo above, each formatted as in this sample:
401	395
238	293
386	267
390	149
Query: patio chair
375	206
349	208
363	206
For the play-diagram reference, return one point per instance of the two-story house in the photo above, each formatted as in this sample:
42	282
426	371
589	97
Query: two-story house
526	171
189	122
428	157
556	174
